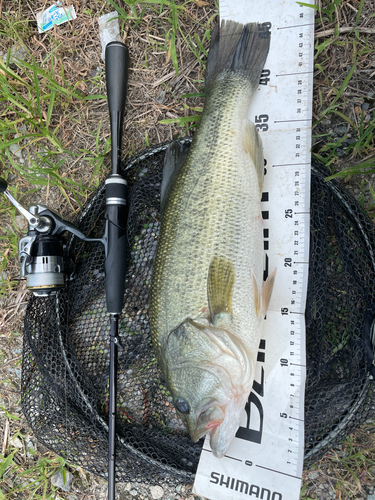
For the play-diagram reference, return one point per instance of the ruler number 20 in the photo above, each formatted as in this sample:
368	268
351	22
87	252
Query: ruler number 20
261	123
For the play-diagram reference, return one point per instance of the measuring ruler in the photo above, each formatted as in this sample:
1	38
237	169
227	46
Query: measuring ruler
265	459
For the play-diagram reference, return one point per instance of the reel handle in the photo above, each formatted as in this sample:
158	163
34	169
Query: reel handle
41	224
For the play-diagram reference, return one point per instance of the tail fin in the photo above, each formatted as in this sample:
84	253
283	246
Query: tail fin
237	48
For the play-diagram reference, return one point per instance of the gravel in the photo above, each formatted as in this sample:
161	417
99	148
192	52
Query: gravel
156	492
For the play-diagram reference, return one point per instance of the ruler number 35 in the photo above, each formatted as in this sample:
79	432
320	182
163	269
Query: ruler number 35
261	123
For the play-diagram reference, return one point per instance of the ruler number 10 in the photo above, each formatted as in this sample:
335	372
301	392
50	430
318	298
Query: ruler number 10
261	123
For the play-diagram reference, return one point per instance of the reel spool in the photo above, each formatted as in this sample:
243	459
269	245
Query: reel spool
44	266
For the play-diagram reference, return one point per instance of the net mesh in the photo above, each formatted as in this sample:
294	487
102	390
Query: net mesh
66	339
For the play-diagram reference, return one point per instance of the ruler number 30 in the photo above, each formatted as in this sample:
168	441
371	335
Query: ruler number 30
261	123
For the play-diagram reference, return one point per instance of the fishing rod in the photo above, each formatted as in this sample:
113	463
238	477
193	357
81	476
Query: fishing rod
116	68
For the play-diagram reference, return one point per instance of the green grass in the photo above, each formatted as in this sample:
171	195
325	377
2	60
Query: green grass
29	102
361	151
31	482
334	104
168	14
13	26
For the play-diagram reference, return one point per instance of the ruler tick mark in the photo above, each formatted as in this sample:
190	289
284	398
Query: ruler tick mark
300	120
226	456
295	418
299	73
292	165
278	472
296	26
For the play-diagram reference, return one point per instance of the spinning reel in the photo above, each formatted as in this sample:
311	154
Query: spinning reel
43	255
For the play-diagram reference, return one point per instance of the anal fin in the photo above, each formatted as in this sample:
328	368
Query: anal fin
262	298
256	294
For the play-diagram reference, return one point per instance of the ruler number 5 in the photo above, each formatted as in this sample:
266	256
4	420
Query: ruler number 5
261	122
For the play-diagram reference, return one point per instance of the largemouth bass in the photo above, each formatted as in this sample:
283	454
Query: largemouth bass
208	298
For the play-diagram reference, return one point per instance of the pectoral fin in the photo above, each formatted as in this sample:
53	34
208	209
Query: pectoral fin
267	291
253	146
221	276
262	299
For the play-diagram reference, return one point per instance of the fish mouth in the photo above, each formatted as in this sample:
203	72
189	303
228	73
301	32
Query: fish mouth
217	450
222	436
197	434
210	416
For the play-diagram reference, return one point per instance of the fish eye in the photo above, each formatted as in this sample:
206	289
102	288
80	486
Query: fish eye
182	406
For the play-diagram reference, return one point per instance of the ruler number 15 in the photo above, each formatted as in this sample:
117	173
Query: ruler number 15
261	123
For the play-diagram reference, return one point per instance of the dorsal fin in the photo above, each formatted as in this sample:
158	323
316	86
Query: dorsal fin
174	159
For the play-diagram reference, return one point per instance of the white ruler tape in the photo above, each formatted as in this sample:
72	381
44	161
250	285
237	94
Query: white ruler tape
265	459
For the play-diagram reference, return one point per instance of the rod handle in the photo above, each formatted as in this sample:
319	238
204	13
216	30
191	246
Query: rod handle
116	70
115	268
